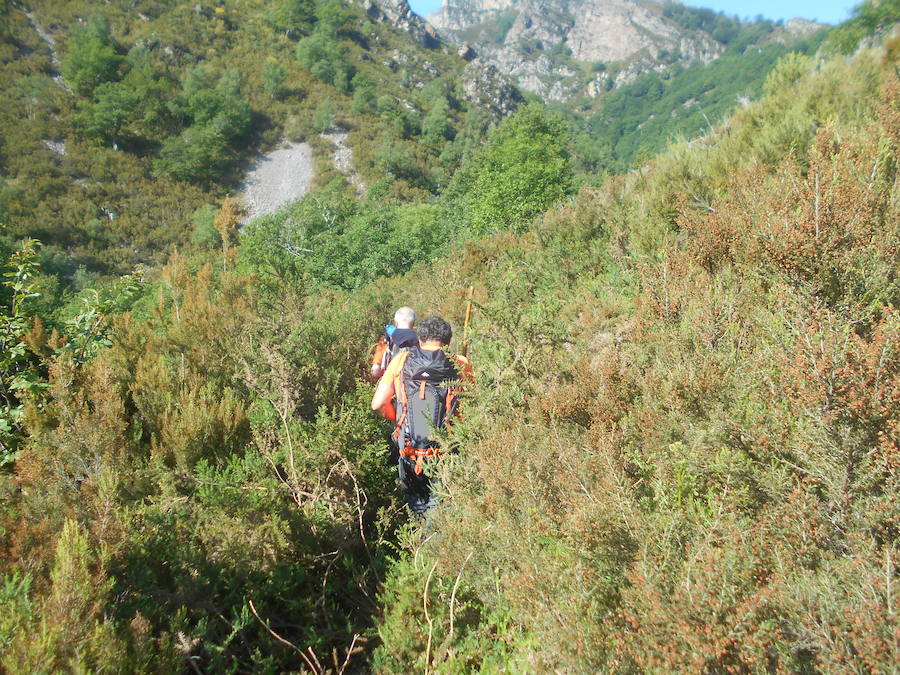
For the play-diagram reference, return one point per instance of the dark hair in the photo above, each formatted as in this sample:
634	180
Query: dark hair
434	328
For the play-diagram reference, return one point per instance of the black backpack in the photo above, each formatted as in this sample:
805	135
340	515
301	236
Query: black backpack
427	398
398	341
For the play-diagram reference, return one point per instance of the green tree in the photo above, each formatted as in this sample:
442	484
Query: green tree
108	115
323	119
292	16
19	376
436	126
205	235
322	57
332	17
200	153
274	75
524	168
35	91
215	102
91	56
150	117
363	99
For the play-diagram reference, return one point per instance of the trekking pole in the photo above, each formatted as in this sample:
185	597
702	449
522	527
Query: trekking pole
465	344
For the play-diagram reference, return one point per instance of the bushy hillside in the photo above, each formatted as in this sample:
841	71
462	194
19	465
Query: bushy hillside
680	453
160	105
639	119
128	123
683	454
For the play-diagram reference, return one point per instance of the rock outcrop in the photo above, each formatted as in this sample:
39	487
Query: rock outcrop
398	14
484	84
526	38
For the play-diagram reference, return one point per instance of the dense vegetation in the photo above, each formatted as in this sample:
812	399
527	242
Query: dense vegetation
680	455
698	475
161	105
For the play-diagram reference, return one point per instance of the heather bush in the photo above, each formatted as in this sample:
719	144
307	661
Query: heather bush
694	473
679	454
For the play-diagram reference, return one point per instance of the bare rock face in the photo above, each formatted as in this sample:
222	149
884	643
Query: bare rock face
399	14
533	72
484	84
633	33
457	15
614	30
802	27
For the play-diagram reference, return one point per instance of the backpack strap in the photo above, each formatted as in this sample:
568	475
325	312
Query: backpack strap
400	393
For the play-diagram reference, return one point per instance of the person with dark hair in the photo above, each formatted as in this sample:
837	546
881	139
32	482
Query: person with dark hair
426	385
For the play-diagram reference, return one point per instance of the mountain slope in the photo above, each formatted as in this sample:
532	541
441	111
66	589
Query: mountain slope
147	112
680	453
560	49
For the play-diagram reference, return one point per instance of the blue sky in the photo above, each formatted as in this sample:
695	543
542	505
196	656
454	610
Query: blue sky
826	11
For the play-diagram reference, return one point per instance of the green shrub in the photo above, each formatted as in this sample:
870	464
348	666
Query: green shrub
524	168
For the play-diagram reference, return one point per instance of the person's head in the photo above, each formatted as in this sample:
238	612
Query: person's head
434	328
405	317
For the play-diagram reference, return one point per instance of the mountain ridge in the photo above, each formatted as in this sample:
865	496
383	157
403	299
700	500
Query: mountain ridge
559	50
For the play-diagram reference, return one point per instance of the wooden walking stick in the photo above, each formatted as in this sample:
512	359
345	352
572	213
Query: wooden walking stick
465	344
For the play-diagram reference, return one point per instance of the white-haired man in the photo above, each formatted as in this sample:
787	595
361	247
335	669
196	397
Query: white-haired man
399	335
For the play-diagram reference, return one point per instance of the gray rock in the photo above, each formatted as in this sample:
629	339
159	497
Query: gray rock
276	179
485	85
628	31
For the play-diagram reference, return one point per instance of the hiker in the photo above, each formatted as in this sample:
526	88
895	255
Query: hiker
425	383
399	335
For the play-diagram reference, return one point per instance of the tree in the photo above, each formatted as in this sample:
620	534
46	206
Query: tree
436	126
152	92
19	377
274	76
110	112
322	57
363	100
292	16
35	91
200	153
205	235
524	168
215	102
323	119
91	56
332	17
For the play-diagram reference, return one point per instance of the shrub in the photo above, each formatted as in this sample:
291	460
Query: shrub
524	168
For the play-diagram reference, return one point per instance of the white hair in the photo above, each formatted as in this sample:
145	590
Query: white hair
405	317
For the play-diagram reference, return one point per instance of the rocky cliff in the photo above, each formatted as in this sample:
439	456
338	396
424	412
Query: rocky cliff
536	41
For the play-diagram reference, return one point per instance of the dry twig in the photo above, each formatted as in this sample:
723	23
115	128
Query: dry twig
429	620
309	664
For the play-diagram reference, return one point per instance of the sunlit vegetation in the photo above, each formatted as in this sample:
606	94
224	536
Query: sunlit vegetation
160	106
639	119
680	453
